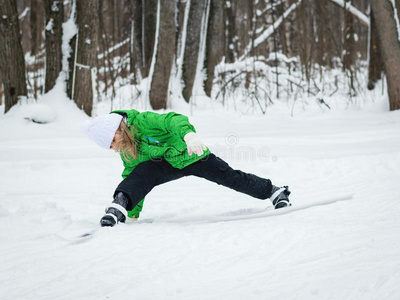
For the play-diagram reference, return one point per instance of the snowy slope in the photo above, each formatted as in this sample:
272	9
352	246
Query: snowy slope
55	184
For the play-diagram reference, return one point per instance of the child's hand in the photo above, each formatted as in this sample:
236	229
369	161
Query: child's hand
194	144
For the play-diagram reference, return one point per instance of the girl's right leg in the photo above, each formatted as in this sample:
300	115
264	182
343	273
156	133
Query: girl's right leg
136	186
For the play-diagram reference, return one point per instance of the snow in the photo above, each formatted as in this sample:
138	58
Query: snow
39	113
50	26
24	13
115	47
54	7
396	17
69	30
55	184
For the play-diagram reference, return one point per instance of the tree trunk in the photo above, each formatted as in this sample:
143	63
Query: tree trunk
348	39
137	56
375	67
180	25
125	32
321	19
302	41
164	56
197	8
25	25
87	21
390	48
282	29
54	21
230	45
243	23
72	44
149	33
36	25
127	28
12	63
1	90
215	42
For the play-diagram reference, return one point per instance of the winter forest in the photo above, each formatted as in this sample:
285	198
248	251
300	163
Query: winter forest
253	53
303	93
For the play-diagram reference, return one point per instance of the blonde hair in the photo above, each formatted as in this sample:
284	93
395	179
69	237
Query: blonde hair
126	145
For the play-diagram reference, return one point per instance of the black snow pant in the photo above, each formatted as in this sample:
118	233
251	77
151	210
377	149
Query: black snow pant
151	173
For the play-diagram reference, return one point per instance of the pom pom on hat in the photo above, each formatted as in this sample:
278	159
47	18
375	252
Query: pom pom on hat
102	129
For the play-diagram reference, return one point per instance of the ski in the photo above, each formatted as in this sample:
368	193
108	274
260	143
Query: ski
226	218
289	209
268	212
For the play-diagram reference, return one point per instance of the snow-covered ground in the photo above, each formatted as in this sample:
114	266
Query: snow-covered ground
55	184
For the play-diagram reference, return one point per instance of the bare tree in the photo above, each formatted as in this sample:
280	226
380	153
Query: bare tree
36	25
375	67
37	22
197	8
149	33
87	21
282	29
349	54
12	64
1	90
164	56
54	19
126	29
71	66
323	49
137	53
230	33
215	41
24	7
390	47
303	40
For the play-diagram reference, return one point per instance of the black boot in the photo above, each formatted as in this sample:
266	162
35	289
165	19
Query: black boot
116	212
280	196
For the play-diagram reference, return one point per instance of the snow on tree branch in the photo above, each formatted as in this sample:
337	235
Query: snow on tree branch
113	48
396	17
270	30
24	13
354	11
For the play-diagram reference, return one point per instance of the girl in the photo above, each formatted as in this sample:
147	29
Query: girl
157	148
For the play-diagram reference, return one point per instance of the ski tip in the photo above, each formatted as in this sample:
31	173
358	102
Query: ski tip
86	234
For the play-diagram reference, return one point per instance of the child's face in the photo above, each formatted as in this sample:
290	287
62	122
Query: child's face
117	138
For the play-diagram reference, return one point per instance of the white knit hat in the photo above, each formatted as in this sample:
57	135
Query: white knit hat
102	129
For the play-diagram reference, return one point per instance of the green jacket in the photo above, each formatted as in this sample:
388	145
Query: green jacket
159	135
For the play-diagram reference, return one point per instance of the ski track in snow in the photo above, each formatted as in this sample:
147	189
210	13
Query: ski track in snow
55	185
